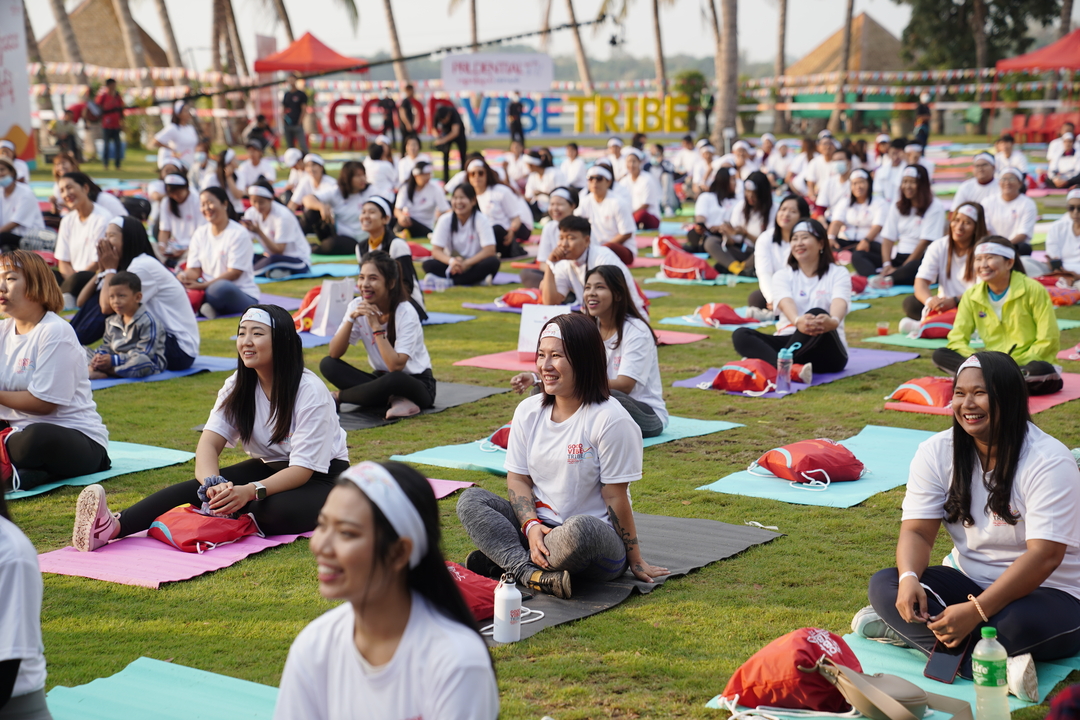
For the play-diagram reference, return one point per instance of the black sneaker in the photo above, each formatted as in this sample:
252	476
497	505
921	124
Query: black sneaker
481	564
552	582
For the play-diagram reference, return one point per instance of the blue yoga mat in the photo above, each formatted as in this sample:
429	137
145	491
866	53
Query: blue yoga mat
335	270
482	456
895	290
721	280
126	458
161	690
434	318
203	363
886	452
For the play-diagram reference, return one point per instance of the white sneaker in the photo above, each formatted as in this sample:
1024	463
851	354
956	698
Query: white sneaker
760	314
401	408
807	373
909	326
1023	683
207	311
868	624
69	301
95	526
433	283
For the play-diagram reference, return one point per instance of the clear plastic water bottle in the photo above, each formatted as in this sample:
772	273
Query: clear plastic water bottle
507	611
988	669
784	360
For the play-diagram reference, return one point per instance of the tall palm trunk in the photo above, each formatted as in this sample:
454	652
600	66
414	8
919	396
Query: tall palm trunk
401	73
1066	18
172	50
728	81
217	32
133	46
33	55
661	71
978	31
69	44
845	59
472	26
579	52
780	123
234	38
718	62
545	25
283	16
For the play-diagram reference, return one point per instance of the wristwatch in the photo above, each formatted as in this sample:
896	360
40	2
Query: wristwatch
260	491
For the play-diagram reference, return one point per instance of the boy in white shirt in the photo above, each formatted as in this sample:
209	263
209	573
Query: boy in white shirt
255	166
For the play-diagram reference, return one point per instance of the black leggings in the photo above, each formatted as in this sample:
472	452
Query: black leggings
374	390
336	245
507	244
416	229
867	262
44	452
950	361
288	513
472	276
825	351
75	283
913	307
462	147
695	239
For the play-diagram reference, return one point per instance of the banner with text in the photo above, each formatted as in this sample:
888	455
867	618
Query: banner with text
497	72
14	84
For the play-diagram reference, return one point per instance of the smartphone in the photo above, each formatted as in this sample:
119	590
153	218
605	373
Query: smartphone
945	661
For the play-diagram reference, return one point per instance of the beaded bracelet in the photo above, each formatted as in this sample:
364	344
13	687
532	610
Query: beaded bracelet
979	608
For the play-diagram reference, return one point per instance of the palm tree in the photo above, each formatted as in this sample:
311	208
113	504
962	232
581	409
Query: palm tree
545	24
401	73
978	31
132	40
283	15
607	7
454	5
1066	18
579	51
727	80
33	55
780	124
172	50
233	38
69	44
845	58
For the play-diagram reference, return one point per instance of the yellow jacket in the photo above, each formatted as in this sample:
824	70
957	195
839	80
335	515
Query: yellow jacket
1027	321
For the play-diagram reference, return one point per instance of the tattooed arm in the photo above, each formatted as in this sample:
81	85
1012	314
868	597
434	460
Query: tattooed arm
617	499
519	489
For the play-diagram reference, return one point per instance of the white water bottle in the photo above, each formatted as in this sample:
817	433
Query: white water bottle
988	669
784	359
507	611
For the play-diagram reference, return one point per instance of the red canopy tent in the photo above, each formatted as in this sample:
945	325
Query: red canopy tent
307	55
1065	53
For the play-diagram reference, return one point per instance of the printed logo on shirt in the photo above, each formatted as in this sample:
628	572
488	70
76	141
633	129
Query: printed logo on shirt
23	364
982	314
576	452
998	521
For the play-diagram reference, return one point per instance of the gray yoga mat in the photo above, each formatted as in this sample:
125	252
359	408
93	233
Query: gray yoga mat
447	395
679	544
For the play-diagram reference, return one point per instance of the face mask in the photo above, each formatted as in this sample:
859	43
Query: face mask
839	166
6	181
200	157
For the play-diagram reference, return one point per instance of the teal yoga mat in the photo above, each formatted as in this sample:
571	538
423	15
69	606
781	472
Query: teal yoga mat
908	664
126	458
482	456
902	340
150	688
886	452
334	270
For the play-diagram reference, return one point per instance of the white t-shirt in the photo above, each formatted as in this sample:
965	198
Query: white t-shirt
499	203
810	292
182	227
22	170
539	186
934	263
470	238
1063	245
76	241
769	258
756	225
684	159
315	435
1054	149
20	609
50	363
609	219
181	139
1045	494
574	172
887	181
21	208
112	204
859	219
346	209
778	165
408	338
570	274
281	226
248	172
645	191
818	171
832	193
797	170
1009	219
426	201
440	670
907	231
167	300
636	358
217	254
382	176
702	173
1017	160
600	444
1065	166
305	186
972	191
549	238
406	164
715	212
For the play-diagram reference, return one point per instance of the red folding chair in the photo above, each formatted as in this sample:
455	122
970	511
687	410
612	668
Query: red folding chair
1019	124
1035	127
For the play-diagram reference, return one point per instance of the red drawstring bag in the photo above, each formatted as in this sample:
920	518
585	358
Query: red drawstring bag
1048	280
929	391
782	674
717	314
189	530
750	376
858	284
517	298
478	591
1063	297
815	463
196	298
682	265
305	316
937	325
501	437
663	244
418	251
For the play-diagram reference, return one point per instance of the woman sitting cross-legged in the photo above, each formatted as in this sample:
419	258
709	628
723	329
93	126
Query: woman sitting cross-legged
812	294
572	454
387	323
221	259
1009	495
285	247
285	418
463	243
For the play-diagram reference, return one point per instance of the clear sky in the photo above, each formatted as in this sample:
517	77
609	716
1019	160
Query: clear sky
425	24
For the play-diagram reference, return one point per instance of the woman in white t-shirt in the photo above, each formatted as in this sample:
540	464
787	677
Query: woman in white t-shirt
286	421
753	214
334	215
712	210
1063	241
463	242
812	294
947	263
181	135
562	203
51	427
404	644
858	216
408	161
220	259
1010	213
179	219
543	178
22	654
500	204
419	203
312	181
388	325
76	240
572	453
19	210
285	247
1009	496
911	224
771	252
225	178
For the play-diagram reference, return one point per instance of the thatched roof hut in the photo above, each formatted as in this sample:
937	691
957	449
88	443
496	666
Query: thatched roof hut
872	48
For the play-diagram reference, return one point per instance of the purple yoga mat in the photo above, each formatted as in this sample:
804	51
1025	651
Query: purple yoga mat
492	307
860	360
291	304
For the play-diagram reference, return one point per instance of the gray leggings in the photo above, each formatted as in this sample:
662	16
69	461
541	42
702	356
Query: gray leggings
584	545
643	415
30	706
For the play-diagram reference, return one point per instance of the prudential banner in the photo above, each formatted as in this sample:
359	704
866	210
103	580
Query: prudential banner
14	83
496	72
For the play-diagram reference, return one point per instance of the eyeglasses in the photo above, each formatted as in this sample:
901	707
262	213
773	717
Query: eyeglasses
1074	208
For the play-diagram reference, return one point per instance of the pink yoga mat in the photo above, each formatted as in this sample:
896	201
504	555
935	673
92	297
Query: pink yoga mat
509	360
1071	391
1072	353
443	488
644	262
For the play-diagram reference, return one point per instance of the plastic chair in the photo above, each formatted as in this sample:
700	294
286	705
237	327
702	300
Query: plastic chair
1017	128
1035	127
1052	127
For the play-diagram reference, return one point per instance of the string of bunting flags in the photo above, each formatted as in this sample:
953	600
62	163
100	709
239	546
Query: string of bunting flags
895	90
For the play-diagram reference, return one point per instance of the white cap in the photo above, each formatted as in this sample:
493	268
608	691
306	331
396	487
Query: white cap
882	138
292	156
913	147
615	142
312	157
768	136
1067	136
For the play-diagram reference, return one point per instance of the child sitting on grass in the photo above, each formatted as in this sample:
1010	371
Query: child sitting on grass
134	345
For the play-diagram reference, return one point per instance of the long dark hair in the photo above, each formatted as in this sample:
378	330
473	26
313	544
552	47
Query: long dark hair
585	352
135	242
390	270
721	185
470	192
264	183
430	578
762	197
825	258
174	207
923	195
219	171
92	188
804	211
492	176
622	302
980	232
419	168
345	177
288	357
223	197
1009	418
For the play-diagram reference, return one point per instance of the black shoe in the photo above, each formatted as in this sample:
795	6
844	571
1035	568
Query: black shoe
481	564
555	583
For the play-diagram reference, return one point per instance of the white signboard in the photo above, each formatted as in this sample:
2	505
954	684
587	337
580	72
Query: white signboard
497	72
533	319
14	82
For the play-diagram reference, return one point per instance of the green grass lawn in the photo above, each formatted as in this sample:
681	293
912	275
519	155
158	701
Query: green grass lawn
661	655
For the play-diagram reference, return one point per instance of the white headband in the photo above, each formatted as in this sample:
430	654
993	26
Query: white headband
804	226
260	191
421	169
118	221
385	493
1014	172
913	147
7	144
317	159
993	248
380	203
859	173
178	106
740	145
984	157
635	152
971	362
824	134
707	148
910	172
229	156
1068	136
258	315
883	138
382	140
534	161
476	164
969	211
768	136
749	185
597	171
552	330
1074	194
614	142
175	180
565	194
